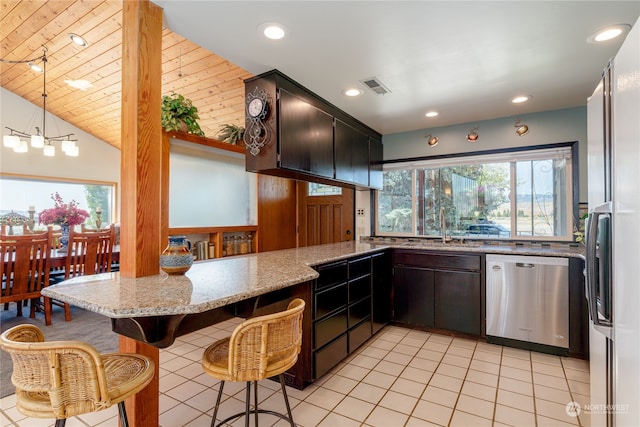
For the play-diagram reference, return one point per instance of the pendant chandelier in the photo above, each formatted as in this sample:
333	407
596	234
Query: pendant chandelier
20	141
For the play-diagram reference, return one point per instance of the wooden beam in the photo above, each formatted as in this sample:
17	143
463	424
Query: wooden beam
141	173
141	139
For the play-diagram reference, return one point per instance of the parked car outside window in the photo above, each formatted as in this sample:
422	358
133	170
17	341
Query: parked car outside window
487	230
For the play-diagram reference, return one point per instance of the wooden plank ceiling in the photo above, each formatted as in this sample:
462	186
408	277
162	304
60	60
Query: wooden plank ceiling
213	84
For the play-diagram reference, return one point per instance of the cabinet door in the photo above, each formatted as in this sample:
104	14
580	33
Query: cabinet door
352	154
375	163
413	296
380	290
457	301
306	136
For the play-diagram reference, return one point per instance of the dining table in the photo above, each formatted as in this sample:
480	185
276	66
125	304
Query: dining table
158	308
58	258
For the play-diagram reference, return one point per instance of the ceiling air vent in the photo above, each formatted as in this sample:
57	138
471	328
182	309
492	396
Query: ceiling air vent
375	85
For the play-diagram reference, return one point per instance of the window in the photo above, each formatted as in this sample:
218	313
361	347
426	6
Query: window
315	189
18	193
525	194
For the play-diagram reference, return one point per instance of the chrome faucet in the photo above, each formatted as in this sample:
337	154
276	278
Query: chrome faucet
443	225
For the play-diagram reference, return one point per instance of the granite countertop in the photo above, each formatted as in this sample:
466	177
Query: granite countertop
216	283
486	247
207	285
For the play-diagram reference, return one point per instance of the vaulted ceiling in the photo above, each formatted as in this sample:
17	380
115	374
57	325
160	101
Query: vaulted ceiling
213	84
466	59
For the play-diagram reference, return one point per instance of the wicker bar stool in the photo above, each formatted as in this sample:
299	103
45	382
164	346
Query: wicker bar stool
261	347
62	379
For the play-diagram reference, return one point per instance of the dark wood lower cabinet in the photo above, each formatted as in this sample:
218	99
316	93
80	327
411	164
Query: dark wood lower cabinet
457	301
380	290
347	297
438	290
413	296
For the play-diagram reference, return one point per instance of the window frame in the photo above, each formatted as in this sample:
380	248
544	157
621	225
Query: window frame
38	178
572	196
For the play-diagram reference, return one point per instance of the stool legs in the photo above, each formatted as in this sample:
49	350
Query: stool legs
124	422
248	411
286	400
215	410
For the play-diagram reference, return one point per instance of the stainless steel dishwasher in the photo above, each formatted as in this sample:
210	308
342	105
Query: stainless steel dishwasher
528	299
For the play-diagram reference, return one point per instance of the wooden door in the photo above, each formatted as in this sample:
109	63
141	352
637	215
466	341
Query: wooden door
324	219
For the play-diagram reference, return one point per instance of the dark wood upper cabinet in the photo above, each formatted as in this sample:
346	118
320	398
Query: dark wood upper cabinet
306	136
310	139
375	163
352	154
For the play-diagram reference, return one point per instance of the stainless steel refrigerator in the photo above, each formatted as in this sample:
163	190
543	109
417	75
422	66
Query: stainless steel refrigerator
613	239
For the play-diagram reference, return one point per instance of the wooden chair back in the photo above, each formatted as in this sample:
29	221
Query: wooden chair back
10	231
25	265
89	252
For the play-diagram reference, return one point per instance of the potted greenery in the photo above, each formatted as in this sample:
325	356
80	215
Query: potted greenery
231	133
179	114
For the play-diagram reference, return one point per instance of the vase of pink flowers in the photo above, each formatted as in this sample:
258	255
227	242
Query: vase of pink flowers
65	215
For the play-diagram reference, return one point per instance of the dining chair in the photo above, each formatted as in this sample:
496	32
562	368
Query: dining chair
88	252
62	379
261	347
25	269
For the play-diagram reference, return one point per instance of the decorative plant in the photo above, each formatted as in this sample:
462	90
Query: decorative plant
63	213
579	230
231	133
179	114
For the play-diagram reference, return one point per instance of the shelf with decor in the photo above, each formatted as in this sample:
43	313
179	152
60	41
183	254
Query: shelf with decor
217	240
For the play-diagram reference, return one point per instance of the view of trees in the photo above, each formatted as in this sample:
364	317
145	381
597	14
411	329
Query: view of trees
477	193
468	193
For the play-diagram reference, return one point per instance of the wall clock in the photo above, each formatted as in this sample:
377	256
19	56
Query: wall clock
257	133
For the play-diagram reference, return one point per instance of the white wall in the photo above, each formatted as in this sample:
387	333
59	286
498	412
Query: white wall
226	192
97	160
548	127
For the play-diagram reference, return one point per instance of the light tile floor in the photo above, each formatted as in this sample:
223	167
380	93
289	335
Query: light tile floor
401	377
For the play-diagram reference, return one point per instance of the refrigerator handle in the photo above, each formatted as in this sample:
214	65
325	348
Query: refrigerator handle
603	326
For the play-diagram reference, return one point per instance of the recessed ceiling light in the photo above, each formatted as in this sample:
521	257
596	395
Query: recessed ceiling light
432	114
272	30
79	84
352	92
520	99
608	33
79	40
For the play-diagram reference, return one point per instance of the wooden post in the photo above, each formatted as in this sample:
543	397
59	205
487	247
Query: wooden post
141	173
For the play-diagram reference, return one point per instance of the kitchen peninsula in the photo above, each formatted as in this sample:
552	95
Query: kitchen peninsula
156	309
331	278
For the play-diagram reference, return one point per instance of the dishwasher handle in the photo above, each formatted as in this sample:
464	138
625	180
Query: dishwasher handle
525	265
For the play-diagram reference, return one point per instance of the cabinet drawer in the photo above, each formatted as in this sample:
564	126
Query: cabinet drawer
437	260
359	335
331	274
359	288
330	356
330	300
329	328
359	311
359	267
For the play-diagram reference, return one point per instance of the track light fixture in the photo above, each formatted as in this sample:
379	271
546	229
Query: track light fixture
521	128
473	136
432	141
